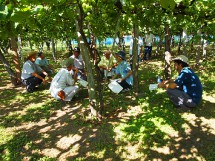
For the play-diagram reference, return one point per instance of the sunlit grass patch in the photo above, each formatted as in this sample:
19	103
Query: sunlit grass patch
6	135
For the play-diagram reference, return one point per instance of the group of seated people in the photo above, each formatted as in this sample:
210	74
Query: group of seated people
63	87
186	90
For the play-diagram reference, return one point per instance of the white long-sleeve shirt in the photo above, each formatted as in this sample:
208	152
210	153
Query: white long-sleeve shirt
61	80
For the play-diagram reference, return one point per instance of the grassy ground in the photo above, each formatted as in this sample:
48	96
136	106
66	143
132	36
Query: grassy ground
37	127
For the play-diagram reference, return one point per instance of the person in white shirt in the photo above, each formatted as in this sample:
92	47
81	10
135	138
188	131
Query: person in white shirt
140	44
63	84
148	45
79	63
32	74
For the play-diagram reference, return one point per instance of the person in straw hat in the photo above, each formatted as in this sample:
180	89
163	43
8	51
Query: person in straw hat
186	91
32	75
62	86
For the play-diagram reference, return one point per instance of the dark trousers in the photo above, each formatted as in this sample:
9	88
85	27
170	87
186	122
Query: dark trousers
82	75
147	52
32	82
179	98
125	85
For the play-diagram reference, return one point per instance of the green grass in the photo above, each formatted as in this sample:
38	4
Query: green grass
148	127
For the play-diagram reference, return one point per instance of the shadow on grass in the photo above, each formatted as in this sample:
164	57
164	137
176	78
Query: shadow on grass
65	137
159	131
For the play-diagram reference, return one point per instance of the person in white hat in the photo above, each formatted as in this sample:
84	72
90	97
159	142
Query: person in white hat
62	86
32	74
186	90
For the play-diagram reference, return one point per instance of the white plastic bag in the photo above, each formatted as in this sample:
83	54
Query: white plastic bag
115	86
153	87
83	82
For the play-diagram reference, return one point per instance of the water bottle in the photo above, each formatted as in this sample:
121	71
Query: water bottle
159	80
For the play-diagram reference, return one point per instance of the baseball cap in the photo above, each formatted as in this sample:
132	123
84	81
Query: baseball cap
182	58
40	53
77	49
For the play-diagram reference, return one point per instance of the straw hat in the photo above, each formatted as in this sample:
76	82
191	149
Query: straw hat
182	58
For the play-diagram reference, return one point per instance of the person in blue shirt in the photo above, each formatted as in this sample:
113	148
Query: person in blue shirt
123	70
186	90
43	63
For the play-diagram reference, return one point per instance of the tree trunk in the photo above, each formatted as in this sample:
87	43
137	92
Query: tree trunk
135	63
179	44
167	68
19	43
53	50
16	60
184	40
198	51
204	49
8	68
86	52
69	45
192	45
30	44
167	39
161	42
159	45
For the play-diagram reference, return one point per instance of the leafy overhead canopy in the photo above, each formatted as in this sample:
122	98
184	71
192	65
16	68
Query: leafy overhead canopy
56	18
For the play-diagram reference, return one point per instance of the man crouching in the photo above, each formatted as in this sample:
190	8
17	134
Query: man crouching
62	86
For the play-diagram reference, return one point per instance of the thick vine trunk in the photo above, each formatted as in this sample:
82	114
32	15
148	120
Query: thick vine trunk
179	44
159	45
167	39
16	60
19	43
184	43
30	44
135	63
8	68
198	49
86	52
204	49
161	42
53	50
167	68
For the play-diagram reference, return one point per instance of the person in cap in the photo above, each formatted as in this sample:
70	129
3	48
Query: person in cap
186	90
43	63
63	84
107	64
123	70
78	63
32	75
